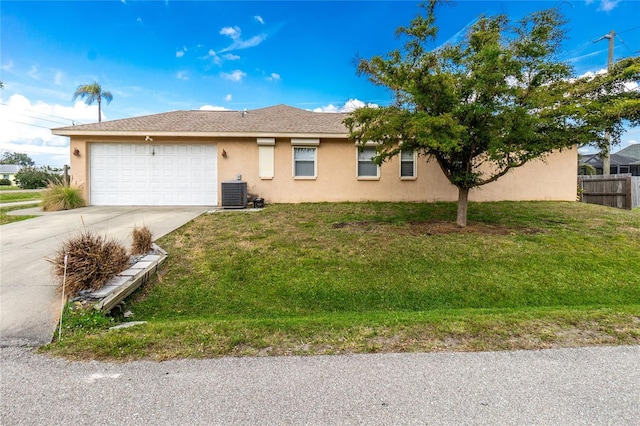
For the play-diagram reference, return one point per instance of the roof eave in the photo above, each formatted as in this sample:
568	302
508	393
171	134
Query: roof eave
63	132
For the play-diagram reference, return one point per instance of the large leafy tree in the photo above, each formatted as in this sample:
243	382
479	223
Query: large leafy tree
37	177
18	158
91	93
490	103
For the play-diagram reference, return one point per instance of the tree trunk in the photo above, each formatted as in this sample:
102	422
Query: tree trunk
99	110
463	202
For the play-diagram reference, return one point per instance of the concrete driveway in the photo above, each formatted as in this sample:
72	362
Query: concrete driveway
29	304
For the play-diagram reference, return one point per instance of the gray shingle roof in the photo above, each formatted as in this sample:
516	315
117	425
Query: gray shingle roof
280	119
632	151
9	168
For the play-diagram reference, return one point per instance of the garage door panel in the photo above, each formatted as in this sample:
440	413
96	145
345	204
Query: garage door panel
160	174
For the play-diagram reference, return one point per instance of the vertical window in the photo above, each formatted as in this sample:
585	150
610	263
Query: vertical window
407	164
366	166
304	162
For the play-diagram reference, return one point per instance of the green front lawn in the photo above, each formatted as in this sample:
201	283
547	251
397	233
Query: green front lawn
5	218
368	277
12	196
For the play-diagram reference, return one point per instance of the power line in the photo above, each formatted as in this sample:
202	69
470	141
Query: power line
630	29
28	124
624	44
42	113
41	119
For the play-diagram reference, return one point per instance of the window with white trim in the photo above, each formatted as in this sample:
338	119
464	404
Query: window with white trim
407	164
304	161
366	166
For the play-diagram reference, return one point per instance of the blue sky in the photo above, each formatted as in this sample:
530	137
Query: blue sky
157	56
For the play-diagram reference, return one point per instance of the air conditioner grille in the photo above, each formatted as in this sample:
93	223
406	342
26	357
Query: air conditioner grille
234	194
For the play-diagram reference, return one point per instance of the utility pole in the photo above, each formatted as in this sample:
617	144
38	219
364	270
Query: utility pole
606	153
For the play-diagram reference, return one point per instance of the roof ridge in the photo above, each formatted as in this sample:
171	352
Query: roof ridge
275	119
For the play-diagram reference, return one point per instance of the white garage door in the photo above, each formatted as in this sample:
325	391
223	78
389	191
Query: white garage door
124	174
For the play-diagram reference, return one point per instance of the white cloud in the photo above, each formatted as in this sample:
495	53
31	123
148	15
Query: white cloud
328	108
26	128
238	43
244	44
180	53
231	57
591	74
608	5
605	5
588	55
350	105
182	75
462	32
211	54
274	77
8	66
233	32
629	86
632	86
212	108
33	72
258	18
57	80
236	75
228	97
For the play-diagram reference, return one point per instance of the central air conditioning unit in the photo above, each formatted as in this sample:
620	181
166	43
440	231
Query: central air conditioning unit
234	194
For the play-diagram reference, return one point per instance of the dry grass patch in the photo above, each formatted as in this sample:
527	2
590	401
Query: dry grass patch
142	240
89	261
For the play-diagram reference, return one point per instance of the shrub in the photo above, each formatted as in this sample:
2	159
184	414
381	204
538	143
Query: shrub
5	182
142	240
60	197
33	177
92	261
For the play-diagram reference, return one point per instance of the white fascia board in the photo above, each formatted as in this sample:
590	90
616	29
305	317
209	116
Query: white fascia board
201	134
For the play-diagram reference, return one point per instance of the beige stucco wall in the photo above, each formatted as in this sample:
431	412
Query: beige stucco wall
553	179
79	165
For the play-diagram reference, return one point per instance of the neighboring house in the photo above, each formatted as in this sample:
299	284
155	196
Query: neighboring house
284	154
624	161
8	171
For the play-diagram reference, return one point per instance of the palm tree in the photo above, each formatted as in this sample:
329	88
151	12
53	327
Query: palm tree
93	92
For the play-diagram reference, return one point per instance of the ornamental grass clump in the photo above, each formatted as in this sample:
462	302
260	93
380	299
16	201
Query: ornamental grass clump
61	197
142	240
92	260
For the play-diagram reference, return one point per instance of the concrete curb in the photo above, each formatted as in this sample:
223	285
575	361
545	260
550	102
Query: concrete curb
128	281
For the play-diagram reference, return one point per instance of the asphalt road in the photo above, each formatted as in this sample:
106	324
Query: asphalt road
599	386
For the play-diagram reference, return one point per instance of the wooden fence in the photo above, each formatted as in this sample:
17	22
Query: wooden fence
621	191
